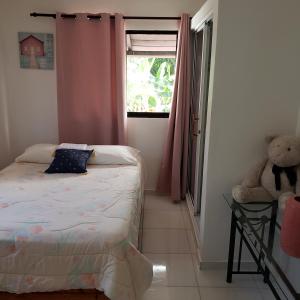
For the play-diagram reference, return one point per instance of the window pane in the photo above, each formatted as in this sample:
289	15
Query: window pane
150	82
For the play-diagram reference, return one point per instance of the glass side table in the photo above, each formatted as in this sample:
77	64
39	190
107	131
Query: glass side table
258	225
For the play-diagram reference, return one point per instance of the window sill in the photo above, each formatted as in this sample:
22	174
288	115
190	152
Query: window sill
147	115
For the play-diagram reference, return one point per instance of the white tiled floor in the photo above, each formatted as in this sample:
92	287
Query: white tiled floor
169	244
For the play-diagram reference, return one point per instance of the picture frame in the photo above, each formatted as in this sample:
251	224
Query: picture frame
36	50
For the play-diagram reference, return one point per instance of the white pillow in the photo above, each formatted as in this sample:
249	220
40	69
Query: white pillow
72	146
39	153
113	155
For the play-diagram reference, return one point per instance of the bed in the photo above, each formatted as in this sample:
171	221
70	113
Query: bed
65	232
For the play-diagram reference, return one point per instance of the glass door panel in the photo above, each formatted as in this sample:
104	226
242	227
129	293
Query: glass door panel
198	114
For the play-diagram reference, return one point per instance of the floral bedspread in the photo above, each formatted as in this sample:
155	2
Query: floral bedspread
69	231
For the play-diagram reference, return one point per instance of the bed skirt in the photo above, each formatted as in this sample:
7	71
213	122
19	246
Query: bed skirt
60	295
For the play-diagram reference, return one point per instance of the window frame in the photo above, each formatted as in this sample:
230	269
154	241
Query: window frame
144	114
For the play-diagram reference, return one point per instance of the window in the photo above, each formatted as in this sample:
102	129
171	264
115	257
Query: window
150	72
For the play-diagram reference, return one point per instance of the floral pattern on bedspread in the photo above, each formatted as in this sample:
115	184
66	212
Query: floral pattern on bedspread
70	231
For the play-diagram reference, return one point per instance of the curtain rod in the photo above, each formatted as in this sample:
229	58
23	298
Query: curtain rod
35	14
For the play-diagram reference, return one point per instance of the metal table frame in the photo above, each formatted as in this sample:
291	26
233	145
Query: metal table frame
259	239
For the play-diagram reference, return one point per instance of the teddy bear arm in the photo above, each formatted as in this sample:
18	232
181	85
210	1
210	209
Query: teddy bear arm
252	178
245	194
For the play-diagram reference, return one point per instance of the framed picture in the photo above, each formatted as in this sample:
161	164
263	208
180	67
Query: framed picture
36	50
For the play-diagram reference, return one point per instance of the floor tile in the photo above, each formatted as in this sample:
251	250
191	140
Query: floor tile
172	293
186	219
173	270
217	278
229	294
165	241
169	243
192	241
157	202
266	294
266	290
260	282
163	219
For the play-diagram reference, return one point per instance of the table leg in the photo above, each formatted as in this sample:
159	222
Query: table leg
271	238
231	248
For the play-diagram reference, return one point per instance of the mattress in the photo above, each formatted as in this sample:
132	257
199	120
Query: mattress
71	231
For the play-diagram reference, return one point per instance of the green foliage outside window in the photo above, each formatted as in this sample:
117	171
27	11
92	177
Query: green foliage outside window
150	82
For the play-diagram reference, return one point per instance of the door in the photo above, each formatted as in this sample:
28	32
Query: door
198	113
197	38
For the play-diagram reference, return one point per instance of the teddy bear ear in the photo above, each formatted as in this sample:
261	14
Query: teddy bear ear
270	138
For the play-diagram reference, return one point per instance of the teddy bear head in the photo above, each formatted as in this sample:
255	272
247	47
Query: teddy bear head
284	150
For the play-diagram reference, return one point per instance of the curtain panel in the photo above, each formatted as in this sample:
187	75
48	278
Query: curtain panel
173	172
91	58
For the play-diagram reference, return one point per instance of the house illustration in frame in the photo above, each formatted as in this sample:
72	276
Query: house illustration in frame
36	50
32	47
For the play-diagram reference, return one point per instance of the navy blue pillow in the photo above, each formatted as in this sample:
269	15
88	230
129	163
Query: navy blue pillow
69	161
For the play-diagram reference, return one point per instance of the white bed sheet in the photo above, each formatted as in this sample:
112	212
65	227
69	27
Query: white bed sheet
69	231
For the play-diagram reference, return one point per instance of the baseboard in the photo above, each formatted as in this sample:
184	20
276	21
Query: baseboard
195	228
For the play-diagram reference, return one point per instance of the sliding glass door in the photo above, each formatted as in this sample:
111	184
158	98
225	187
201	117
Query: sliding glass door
198	112
197	38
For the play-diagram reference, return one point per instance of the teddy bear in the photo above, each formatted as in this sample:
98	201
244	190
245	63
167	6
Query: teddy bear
276	177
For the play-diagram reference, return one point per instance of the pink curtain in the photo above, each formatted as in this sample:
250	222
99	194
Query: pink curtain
173	173
91	79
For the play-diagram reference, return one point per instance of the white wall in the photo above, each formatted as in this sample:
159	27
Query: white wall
4	122
298	126
255	92
32	93
148	135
